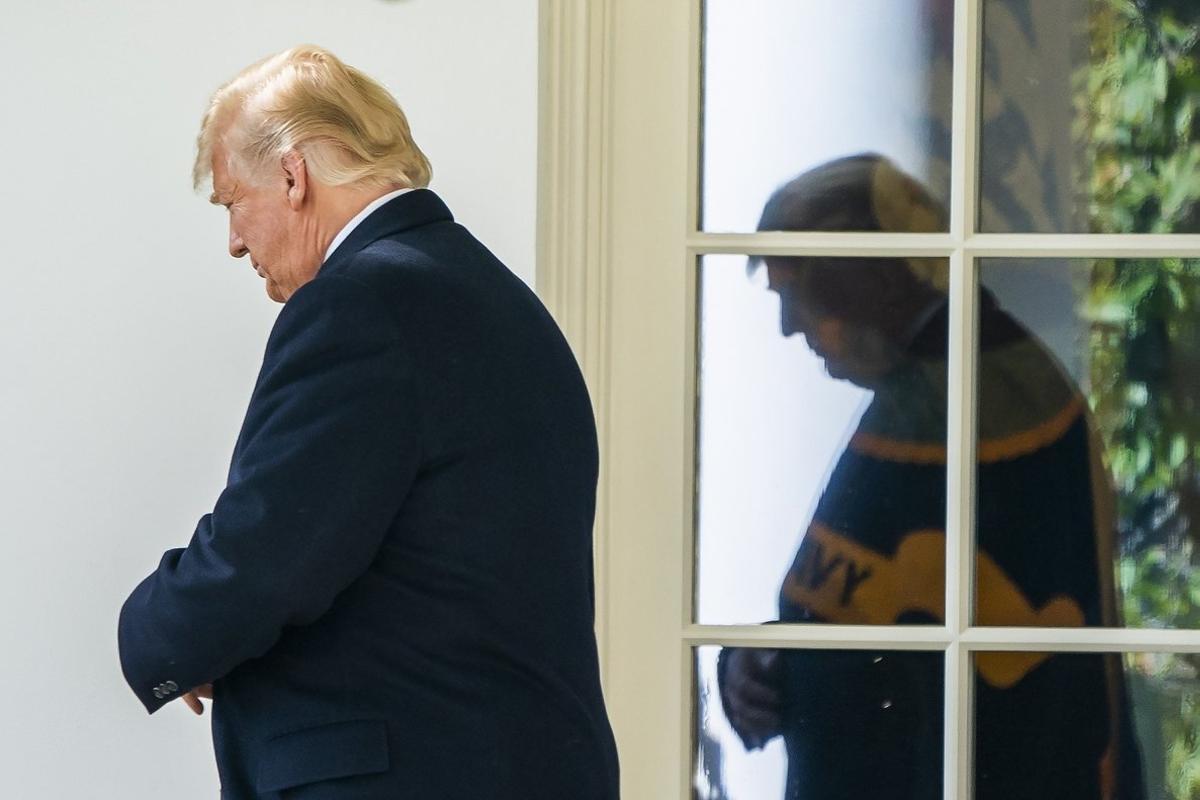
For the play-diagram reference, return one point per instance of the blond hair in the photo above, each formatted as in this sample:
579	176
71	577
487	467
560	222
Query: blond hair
349	129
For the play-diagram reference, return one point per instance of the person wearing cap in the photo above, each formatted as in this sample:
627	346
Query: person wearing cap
862	723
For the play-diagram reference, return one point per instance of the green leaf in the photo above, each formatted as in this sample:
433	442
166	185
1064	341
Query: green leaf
1160	79
1178	452
1109	311
1137	394
1181	180
1145	454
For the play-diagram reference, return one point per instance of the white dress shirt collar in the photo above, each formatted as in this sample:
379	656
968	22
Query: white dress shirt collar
359	217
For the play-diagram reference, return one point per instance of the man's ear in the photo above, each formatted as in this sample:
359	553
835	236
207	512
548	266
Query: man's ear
296	172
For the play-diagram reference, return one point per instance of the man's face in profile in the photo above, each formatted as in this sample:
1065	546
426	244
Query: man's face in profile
264	226
851	351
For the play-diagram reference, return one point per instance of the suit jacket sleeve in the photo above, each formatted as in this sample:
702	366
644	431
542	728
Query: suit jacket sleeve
326	455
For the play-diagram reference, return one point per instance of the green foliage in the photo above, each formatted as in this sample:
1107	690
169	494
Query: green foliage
1137	102
1144	331
1183	748
1165	587
1138	113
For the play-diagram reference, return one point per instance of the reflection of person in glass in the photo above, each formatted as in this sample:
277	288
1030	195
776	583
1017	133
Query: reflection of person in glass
869	724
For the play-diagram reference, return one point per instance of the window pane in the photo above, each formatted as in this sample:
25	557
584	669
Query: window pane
790	86
821	440
1089	117
1086	725
818	724
1089	382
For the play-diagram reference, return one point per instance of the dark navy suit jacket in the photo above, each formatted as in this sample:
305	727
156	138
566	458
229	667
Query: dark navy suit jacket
393	595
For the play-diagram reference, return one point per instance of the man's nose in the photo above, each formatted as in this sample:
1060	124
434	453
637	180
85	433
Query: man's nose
237	248
790	321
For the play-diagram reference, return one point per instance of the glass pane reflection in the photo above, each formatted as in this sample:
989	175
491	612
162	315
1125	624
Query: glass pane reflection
1089	116
818	724
1089	382
822	415
789	86
1087	725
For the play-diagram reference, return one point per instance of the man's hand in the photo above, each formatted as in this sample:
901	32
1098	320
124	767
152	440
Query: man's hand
750	693
192	698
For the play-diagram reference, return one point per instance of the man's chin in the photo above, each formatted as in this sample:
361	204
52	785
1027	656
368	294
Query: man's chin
274	292
842	371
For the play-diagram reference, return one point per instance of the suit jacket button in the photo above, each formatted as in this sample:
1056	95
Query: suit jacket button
158	693
171	686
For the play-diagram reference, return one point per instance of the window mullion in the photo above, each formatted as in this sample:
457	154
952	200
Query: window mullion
960	517
961	403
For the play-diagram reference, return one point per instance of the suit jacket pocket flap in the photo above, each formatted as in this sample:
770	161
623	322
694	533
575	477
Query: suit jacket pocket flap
335	750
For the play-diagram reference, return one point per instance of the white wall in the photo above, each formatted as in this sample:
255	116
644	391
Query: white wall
130	340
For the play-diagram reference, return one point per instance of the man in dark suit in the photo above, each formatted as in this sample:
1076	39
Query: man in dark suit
392	597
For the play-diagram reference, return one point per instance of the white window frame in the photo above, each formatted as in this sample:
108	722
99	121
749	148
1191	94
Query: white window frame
618	251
